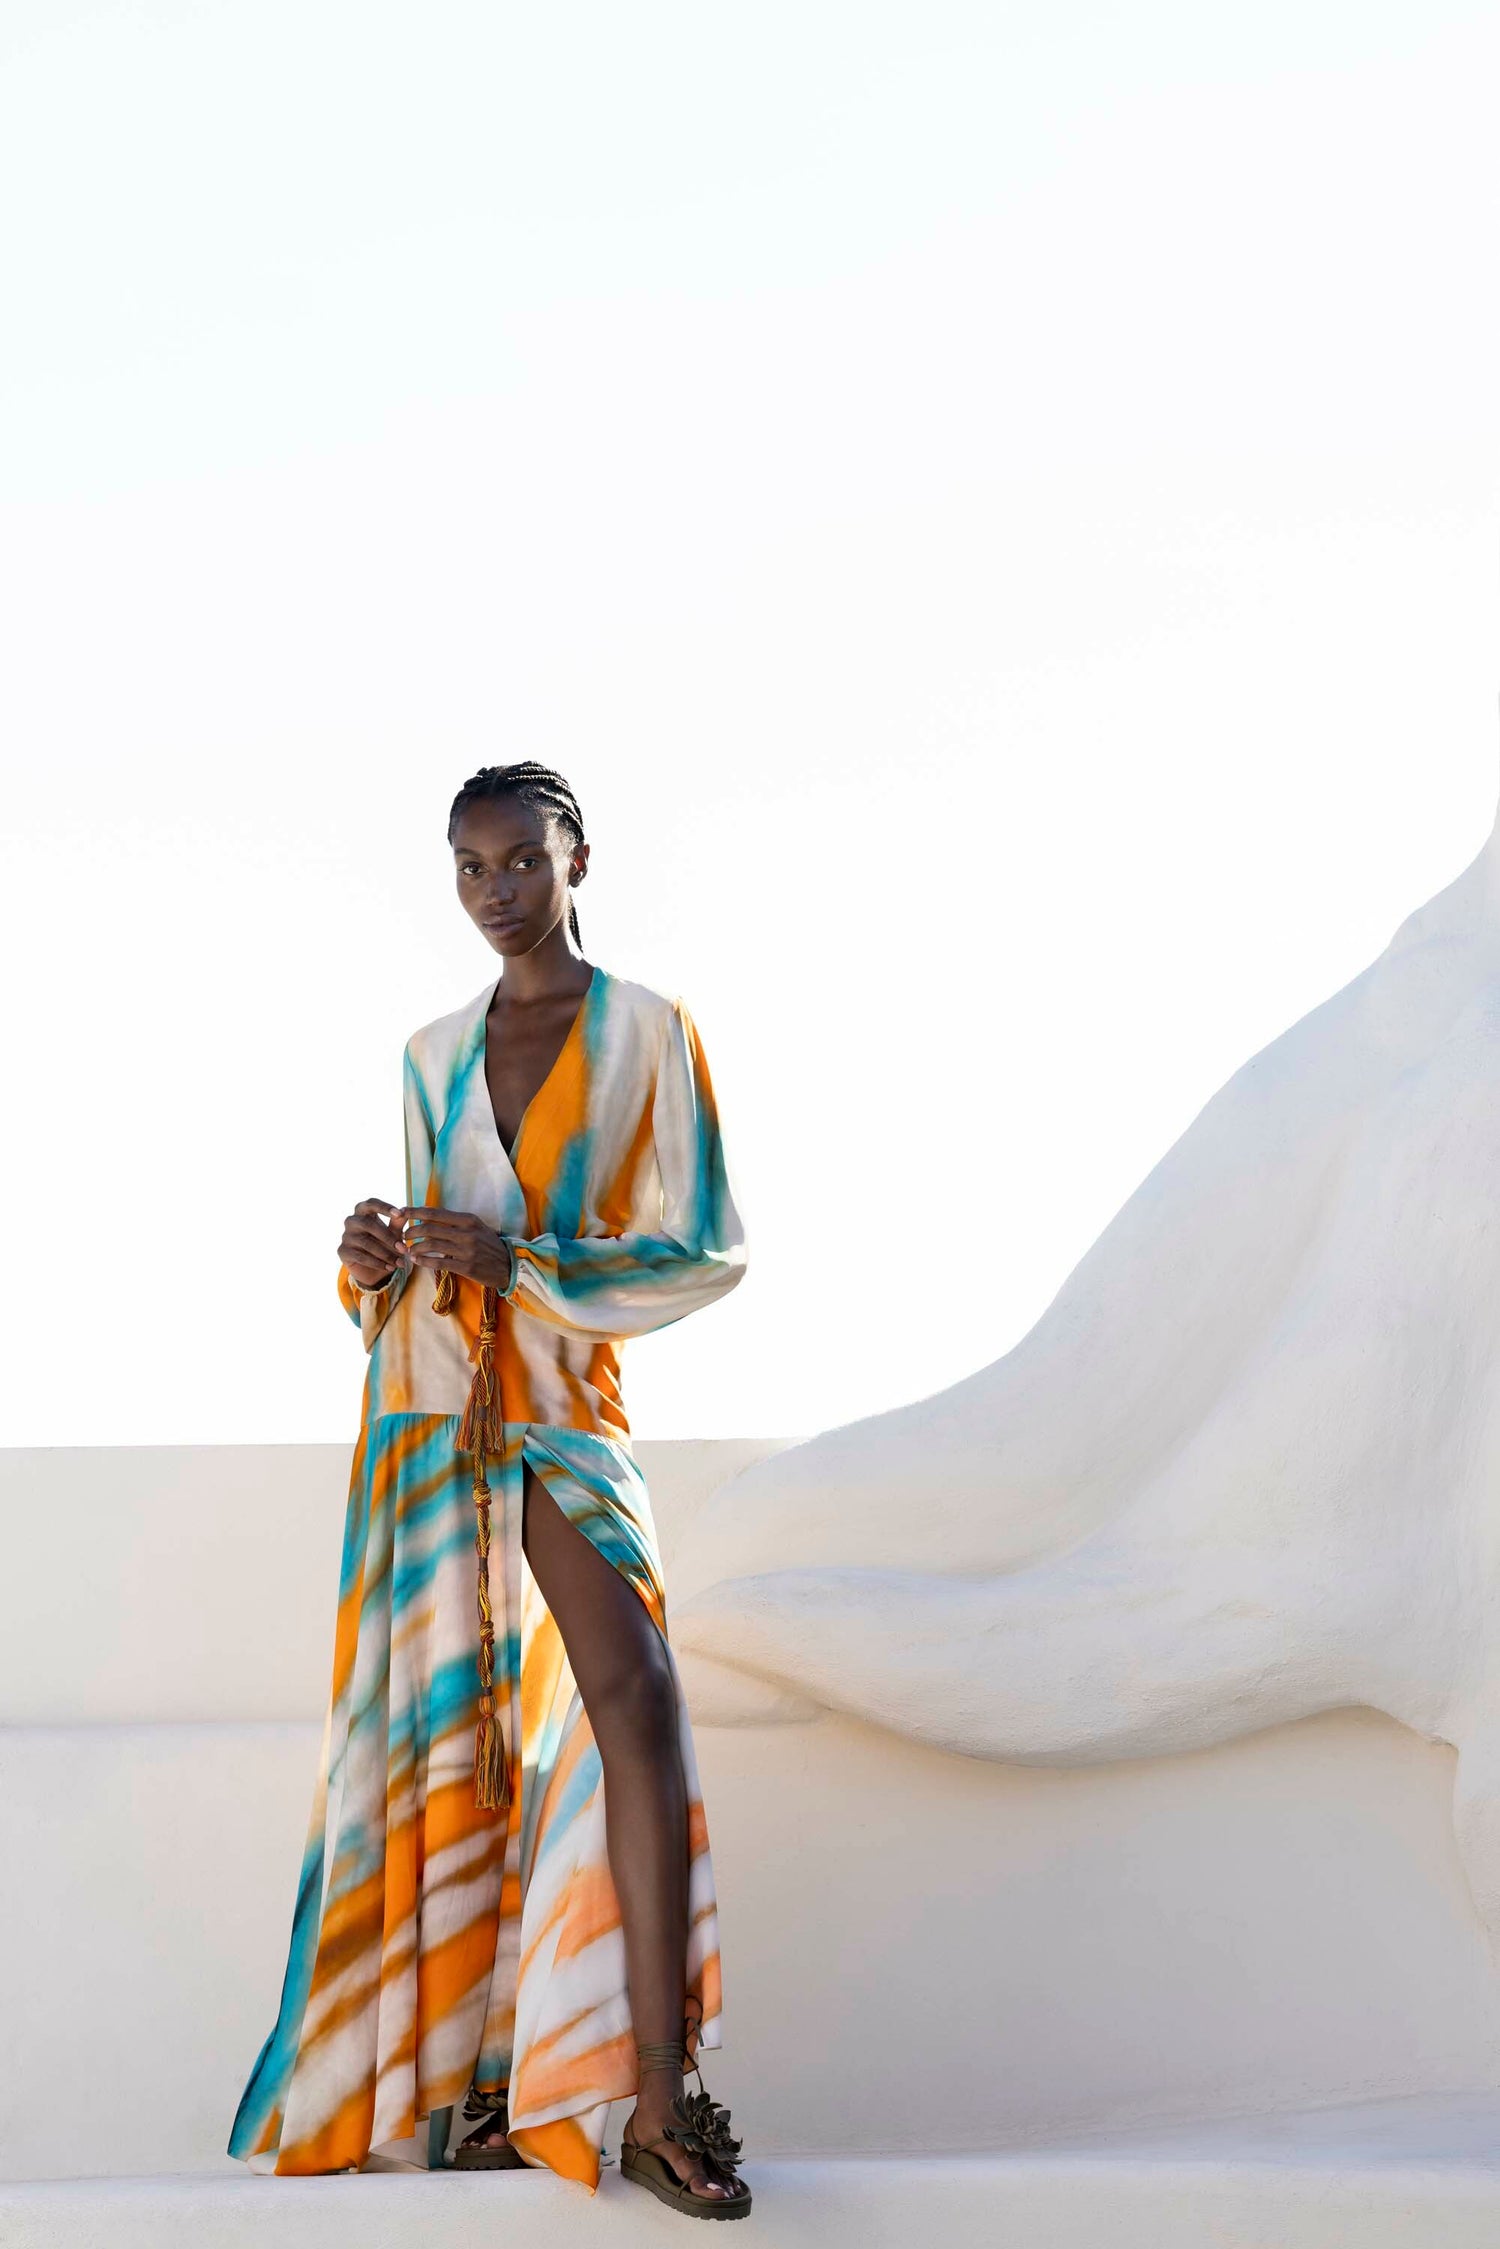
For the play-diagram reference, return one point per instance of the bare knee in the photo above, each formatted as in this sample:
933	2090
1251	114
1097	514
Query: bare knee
632	1708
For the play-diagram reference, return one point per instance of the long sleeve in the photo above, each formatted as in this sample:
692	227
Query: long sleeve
625	1284
371	1308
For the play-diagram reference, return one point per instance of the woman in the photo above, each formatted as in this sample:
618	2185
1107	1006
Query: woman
507	1889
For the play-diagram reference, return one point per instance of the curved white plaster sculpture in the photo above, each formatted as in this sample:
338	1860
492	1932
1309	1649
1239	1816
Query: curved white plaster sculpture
1245	1467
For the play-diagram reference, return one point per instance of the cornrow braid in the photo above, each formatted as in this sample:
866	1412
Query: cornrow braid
537	785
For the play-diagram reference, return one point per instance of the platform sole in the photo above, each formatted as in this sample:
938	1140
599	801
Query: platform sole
643	2169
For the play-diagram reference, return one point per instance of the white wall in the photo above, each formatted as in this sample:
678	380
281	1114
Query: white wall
993	507
922	1953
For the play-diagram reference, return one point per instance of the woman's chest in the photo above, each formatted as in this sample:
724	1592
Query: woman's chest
523	1050
563	1148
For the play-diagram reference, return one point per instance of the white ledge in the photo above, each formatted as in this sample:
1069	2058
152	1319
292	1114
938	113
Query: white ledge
1391	2175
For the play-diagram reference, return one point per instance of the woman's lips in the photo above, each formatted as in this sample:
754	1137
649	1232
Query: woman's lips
503	924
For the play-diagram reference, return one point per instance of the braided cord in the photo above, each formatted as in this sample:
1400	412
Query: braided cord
479	1434
479	2103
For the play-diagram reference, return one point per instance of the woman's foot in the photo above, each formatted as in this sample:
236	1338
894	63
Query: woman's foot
487	2147
490	2134
647	2128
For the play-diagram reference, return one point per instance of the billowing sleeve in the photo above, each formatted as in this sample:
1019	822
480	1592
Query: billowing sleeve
370	1308
625	1284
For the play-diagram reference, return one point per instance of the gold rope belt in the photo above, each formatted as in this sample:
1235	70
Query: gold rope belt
479	1433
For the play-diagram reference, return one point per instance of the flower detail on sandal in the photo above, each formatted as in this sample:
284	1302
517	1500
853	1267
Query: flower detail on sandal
701	2128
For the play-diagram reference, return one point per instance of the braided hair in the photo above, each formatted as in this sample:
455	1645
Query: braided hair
537	785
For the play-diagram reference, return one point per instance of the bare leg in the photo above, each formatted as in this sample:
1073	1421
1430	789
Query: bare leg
629	1695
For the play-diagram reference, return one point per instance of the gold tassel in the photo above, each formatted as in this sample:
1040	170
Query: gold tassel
491	1778
479	1433
479	1430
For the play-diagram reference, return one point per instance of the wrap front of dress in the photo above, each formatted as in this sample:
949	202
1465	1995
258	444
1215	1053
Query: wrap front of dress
436	1944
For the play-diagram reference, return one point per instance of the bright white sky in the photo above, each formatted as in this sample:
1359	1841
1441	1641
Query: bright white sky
994	507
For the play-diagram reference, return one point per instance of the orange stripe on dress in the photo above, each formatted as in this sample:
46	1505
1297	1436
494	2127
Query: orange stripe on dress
402	2056
402	1879
617	1202
564	2148
270	2132
399	1955
540	1675
346	1635
463	1888
553	1919
512	1375
452	1817
448	1972
592	1911
544	2081
558	1115
604	1374
342	2141
354	2003
351	1924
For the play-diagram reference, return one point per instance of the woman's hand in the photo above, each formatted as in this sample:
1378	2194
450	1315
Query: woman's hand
460	1242
371	1250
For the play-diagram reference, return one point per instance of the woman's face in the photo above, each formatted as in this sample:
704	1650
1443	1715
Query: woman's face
512	865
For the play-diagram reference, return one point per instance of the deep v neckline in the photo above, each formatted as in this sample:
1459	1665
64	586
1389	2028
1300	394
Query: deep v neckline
584	1003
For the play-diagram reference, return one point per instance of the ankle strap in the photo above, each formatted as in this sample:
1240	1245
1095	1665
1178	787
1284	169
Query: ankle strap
670	2054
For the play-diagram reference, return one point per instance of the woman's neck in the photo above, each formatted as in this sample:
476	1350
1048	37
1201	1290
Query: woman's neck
547	972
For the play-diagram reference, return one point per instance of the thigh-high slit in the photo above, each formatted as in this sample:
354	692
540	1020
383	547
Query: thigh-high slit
436	1945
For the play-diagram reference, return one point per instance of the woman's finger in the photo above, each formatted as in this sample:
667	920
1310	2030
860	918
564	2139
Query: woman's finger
426	1215
373	1202
442	1260
438	1253
372	1224
451	1231
373	1244
372	1220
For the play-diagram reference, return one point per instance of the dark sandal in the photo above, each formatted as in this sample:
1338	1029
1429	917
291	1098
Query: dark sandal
700	2129
464	2158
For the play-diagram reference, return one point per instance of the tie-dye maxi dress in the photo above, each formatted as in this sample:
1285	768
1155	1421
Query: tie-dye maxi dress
435	1943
